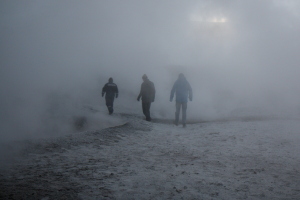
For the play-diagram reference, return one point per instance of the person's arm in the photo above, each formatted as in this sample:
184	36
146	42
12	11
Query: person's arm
190	92
117	91
153	92
140	93
103	90
172	92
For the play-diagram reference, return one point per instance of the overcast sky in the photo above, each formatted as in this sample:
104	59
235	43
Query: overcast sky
234	53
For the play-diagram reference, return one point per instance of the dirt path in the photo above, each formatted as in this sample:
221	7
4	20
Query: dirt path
142	160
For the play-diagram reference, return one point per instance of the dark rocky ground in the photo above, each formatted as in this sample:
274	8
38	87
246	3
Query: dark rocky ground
141	160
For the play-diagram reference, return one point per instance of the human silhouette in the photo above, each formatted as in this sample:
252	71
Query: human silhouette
183	91
111	91
147	93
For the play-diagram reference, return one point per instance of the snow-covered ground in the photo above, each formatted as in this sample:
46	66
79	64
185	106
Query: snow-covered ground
245	158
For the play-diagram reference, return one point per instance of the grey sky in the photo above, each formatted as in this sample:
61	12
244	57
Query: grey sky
234	53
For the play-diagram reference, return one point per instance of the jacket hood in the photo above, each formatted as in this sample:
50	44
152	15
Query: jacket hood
181	77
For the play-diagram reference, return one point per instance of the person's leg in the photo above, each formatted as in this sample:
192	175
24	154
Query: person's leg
178	105
184	107
146	110
144	106
109	104
112	105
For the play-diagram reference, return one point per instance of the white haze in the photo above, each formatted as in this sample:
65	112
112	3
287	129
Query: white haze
57	55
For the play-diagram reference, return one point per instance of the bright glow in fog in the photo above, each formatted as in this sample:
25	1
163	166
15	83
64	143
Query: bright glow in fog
199	19
221	20
210	26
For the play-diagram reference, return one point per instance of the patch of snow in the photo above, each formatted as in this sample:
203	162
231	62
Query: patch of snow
225	159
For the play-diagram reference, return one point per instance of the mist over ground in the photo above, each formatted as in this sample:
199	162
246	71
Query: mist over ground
239	56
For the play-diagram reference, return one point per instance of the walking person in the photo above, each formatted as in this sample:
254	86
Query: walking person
111	91
148	95
183	91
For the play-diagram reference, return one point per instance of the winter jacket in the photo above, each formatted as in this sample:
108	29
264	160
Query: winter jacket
147	92
182	89
110	90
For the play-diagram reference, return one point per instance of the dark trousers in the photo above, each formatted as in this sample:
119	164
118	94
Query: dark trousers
184	107
110	104
146	110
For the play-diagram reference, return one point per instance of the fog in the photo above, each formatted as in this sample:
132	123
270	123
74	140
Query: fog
57	55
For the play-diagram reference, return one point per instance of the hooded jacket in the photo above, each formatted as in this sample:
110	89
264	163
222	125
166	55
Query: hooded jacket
147	91
182	89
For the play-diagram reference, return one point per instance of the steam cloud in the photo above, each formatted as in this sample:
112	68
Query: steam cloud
56	56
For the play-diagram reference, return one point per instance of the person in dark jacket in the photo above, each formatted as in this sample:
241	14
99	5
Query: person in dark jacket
183	91
148	95
111	91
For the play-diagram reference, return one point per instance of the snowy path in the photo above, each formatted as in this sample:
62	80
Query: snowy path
257	159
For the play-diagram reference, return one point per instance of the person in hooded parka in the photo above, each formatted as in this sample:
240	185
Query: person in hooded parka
111	91
183	91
